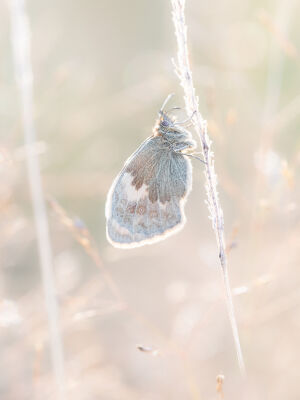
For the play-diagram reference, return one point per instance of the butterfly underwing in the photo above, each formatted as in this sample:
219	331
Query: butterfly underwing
145	203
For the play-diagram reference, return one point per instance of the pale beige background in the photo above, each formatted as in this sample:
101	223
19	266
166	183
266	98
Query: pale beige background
102	69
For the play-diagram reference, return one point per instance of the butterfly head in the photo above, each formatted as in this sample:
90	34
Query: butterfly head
167	125
165	121
164	124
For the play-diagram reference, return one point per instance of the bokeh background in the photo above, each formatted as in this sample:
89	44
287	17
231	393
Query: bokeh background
101	72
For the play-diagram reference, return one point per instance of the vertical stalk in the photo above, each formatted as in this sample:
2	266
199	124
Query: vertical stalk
24	77
183	70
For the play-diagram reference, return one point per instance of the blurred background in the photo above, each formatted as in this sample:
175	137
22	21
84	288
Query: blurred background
151	323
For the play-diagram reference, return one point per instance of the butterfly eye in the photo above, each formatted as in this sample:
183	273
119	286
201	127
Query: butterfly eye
165	123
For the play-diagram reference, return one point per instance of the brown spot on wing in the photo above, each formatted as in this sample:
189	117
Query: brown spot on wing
153	193
131	208
141	209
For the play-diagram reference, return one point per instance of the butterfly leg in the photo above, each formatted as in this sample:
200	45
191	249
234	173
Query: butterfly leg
188	120
196	157
187	148
184	147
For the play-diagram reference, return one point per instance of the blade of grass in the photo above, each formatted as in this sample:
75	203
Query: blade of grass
24	78
183	70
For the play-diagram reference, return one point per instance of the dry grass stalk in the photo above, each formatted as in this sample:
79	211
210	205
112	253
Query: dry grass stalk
183	70
84	238
24	78
219	387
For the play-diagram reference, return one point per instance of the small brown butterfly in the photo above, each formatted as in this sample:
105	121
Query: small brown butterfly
145	203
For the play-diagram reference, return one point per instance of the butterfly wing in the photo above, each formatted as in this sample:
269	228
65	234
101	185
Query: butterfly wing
145	203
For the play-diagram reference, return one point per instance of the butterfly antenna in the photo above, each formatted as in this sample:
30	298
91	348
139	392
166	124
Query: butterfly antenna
165	102
173	108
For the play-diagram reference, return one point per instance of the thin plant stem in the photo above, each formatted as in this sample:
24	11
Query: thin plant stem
24	77
84	238
183	70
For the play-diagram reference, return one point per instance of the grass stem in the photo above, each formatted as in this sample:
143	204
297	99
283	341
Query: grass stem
24	77
183	70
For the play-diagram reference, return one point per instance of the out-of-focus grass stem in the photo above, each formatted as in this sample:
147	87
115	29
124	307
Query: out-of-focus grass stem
24	76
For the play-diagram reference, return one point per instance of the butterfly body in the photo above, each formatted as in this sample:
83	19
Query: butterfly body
145	203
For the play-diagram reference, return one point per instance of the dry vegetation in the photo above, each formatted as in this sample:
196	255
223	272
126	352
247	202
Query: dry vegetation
151	323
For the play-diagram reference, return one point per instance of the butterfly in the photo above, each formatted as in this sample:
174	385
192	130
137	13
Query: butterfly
145	203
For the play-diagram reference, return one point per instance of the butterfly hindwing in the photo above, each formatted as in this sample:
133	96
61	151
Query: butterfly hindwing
146	200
